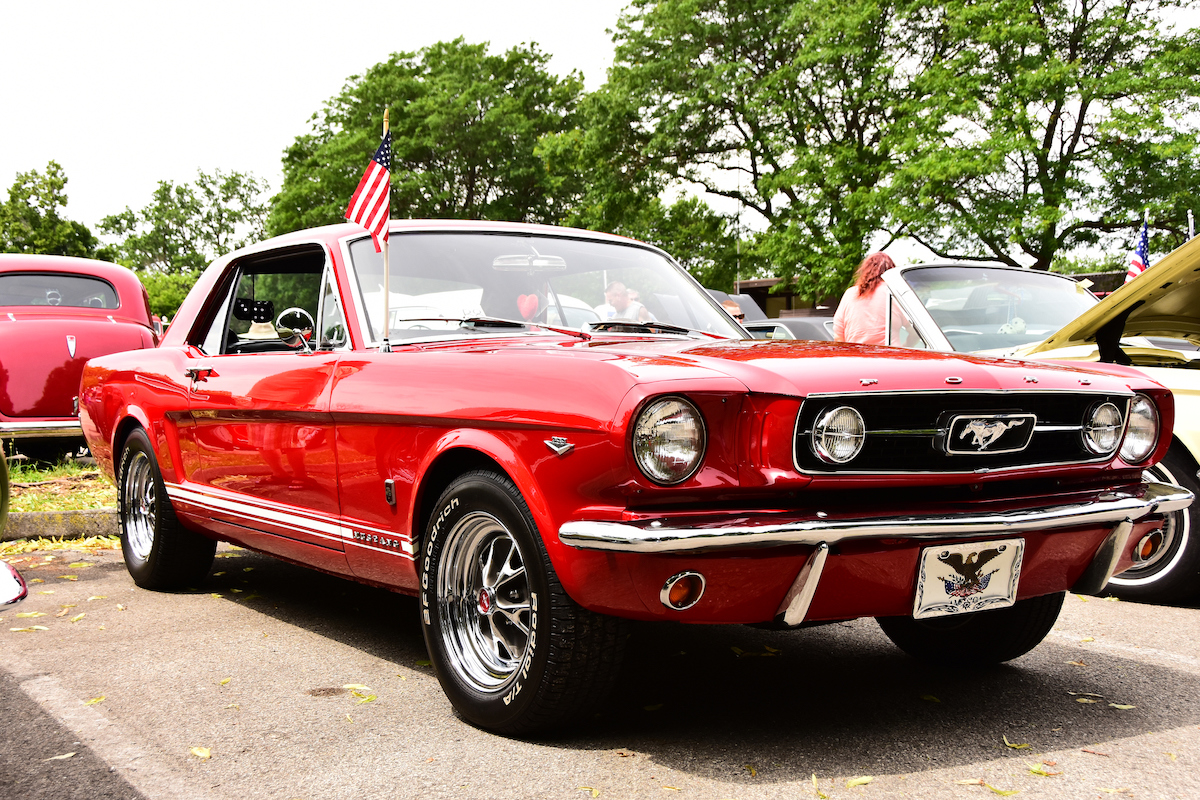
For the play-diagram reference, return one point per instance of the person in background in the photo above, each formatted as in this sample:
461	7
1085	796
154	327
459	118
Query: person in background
619	305
734	310
862	314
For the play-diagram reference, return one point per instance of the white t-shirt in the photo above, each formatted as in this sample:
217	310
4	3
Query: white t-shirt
632	311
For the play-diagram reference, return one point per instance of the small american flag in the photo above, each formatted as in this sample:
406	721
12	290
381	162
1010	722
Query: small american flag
371	206
1141	255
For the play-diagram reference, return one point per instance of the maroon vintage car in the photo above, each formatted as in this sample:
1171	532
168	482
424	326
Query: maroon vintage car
460	431
56	313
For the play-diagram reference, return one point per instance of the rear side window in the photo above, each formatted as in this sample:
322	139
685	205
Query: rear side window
56	289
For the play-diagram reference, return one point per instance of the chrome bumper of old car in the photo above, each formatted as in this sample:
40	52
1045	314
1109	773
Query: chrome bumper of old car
41	429
656	537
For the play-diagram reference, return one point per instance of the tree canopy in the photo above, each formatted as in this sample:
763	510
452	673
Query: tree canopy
31	220
1052	126
183	228
465	125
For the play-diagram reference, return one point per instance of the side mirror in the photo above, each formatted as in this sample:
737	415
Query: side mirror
12	585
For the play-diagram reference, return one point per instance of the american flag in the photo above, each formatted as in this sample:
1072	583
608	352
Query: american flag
371	206
1141	255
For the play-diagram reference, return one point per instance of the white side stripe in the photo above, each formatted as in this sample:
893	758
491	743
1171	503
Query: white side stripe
323	526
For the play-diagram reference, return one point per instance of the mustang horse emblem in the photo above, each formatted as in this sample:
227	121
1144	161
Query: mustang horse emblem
987	432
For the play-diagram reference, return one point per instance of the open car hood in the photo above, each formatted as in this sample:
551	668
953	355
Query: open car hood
1162	301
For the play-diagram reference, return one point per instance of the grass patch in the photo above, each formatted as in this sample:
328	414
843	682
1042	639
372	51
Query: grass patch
67	486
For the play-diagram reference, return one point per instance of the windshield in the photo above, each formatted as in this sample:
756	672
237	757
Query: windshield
984	308
438	279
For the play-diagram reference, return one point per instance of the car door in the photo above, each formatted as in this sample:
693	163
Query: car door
264	457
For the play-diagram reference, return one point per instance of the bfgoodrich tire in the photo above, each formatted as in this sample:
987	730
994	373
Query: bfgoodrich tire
977	639
159	552
514	654
1172	574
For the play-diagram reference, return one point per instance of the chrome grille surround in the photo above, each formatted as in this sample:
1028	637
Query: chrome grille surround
908	432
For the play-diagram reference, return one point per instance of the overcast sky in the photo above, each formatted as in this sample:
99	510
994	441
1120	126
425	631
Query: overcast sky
125	93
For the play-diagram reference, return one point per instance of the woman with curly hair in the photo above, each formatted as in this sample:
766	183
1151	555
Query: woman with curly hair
862	314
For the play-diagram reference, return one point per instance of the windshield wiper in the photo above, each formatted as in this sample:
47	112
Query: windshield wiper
648	327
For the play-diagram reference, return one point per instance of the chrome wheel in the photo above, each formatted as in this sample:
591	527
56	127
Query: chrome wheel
141	506
484	599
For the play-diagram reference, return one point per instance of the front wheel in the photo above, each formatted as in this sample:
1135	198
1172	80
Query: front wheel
1172	574
977	639
159	552
514	654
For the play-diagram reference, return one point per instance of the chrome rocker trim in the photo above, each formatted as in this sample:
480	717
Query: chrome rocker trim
41	430
1111	509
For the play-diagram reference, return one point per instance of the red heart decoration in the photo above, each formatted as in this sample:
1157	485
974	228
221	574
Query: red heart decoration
527	304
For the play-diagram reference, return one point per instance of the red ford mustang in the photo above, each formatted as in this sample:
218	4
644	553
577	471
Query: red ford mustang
500	429
55	314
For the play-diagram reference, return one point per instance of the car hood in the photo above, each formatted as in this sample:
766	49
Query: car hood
1163	301
791	367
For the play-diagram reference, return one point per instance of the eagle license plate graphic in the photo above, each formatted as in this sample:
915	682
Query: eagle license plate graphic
964	577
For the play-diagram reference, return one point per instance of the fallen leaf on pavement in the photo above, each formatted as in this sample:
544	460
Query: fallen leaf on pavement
94	700
63	757
1077	663
78	617
30	614
202	753
1087	639
750	768
69	577
930	698
30	629
96	597
1121	706
861	780
593	792
1003	792
1015	746
1095	752
1038	769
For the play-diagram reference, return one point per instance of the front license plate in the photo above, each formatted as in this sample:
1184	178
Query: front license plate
964	577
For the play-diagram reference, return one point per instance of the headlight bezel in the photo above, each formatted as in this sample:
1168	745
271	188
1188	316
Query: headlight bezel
641	441
821	426
1146	402
1091	431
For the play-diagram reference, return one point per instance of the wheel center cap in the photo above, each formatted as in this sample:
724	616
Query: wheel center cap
487	600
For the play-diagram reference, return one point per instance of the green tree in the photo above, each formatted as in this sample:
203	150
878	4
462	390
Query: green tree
464	125
1052	126
793	109
31	220
184	227
188	225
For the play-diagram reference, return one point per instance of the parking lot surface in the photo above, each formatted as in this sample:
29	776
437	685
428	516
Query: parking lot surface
272	681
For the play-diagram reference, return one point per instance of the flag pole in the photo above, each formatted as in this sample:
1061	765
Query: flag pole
386	346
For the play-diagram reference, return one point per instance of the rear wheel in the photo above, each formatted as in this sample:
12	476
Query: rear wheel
1172	574
977	639
159	552
512	651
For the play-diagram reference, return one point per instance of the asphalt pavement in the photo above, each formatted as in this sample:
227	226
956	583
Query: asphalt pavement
272	681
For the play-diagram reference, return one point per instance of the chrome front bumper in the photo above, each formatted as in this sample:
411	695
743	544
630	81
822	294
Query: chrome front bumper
55	429
654	537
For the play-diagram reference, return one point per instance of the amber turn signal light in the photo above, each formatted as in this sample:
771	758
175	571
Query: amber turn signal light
682	591
1148	546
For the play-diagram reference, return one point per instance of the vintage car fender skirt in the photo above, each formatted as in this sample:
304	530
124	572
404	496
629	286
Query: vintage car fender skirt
159	552
1171	573
513	653
979	638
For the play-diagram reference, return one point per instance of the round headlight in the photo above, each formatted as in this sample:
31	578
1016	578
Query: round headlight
838	435
1141	435
1102	431
668	440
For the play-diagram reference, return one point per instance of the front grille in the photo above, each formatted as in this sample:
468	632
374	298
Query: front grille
908	431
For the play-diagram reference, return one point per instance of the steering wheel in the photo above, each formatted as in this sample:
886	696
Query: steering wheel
312	325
